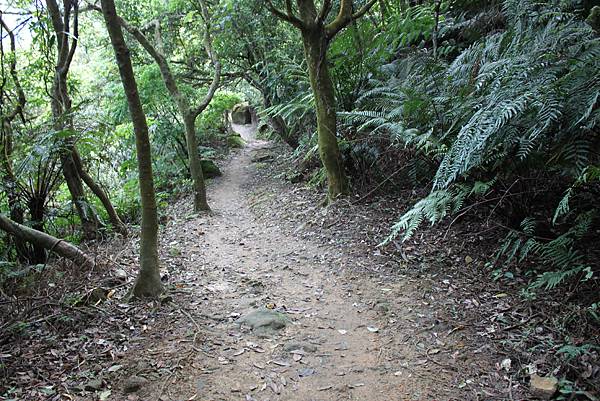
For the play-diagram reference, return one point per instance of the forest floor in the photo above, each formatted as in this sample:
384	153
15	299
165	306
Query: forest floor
332	327
274	297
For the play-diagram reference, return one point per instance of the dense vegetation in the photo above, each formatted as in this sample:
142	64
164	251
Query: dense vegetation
484	110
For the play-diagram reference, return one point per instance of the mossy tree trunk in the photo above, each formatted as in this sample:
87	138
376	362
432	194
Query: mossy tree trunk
315	49
317	34
188	113
195	165
148	283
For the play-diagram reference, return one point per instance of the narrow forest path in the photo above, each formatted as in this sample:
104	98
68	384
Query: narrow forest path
325	352
229	265
250	266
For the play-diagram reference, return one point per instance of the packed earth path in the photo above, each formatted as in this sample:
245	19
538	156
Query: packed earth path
260	314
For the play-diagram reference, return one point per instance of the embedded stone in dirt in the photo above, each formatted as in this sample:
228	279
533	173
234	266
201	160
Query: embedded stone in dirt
256	286
120	274
261	156
305	372
543	387
134	383
264	321
295	346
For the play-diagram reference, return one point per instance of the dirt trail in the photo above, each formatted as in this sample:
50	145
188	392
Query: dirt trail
229	264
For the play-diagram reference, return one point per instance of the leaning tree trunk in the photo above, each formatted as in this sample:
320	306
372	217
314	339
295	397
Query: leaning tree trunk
45	241
279	126
315	48
114	218
89	220
148	282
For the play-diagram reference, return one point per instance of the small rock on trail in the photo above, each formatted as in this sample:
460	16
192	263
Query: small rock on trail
264	321
544	387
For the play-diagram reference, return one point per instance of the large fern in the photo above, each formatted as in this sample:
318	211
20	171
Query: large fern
523	98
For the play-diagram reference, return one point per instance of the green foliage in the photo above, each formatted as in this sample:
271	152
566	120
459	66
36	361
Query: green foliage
561	252
517	101
573	351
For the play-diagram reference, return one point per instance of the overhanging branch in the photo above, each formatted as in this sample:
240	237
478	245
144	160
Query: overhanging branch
345	16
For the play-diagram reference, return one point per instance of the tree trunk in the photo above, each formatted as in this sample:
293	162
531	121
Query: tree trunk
148	283
200	201
45	241
9	183
37	211
316	36
114	218
315	49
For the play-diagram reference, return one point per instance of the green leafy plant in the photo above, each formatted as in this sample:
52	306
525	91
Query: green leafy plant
520	101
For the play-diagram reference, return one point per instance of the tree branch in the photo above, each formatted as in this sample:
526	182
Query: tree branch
13	73
138	35
345	16
57	23
289	8
289	17
75	36
363	10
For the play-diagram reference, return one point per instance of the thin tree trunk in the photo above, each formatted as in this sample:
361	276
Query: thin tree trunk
200	200
114	218
37	211
89	220
9	182
148	282
45	241
315	48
